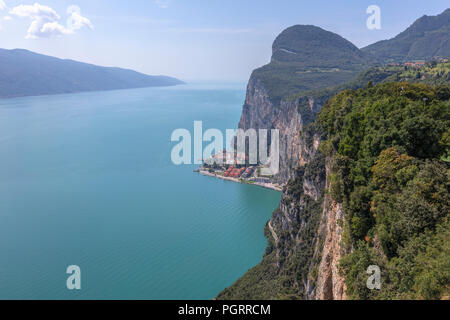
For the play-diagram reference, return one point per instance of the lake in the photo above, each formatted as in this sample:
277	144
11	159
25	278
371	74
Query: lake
86	179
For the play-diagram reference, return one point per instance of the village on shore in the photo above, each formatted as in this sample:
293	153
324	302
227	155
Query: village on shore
235	167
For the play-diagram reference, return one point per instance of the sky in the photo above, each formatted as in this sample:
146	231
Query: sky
221	40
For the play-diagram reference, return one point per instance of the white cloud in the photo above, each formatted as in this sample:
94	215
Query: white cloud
7	18
161	3
45	20
36	11
50	29
2	7
76	21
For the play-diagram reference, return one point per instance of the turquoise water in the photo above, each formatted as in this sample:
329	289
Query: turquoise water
86	179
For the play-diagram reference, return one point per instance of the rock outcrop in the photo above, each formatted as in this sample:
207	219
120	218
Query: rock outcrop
259	112
330	284
304	231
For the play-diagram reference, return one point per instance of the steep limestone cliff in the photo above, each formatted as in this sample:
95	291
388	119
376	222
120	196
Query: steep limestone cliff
287	93
287	269
330	284
303	251
301	261
304	234
259	112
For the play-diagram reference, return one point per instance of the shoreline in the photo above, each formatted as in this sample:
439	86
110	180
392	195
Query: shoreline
271	186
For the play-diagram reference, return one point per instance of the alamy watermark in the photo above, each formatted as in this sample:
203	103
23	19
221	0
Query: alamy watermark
249	147
374	20
374	281
74	280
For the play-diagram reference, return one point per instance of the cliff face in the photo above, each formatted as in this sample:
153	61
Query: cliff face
307	230
303	233
259	112
330	284
287	93
303	252
289	267
296	252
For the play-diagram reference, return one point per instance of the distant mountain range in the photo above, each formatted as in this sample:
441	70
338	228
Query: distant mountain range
307	58
25	73
427	37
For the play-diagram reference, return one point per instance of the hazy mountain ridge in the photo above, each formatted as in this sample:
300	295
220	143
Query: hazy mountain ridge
426	38
25	73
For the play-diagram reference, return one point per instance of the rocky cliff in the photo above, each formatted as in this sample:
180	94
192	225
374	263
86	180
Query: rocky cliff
330	284
259	112
303	251
303	236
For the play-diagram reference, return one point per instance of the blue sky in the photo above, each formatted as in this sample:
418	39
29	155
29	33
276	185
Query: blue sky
191	39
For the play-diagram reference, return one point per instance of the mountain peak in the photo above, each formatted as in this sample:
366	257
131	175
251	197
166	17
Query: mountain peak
305	58
311	46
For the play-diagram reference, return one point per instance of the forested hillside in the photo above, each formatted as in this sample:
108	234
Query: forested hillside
388	143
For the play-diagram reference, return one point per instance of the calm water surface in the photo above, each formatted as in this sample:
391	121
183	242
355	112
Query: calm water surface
86	179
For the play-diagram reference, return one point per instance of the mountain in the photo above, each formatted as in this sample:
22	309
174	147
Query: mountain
306	57
287	93
309	46
25	73
426	38
363	168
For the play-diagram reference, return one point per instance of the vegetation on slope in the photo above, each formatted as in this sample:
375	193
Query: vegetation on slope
432	73
306	58
388	142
